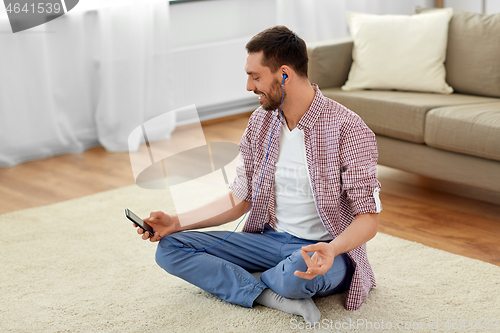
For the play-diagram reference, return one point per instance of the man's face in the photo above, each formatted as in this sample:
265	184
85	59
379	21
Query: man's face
263	82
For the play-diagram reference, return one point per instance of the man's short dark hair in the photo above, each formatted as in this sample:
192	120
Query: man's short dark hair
280	46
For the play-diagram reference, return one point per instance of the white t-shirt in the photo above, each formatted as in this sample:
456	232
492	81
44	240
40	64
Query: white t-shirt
296	211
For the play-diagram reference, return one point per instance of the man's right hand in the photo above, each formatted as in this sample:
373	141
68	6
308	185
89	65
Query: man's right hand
163	225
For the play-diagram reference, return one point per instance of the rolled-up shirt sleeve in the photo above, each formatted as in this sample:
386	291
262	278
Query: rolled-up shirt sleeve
242	183
359	154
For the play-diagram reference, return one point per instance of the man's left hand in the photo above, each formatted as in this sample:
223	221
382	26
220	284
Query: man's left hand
320	262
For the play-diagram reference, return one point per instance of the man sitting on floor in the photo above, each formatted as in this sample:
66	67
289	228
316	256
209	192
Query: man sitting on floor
318	194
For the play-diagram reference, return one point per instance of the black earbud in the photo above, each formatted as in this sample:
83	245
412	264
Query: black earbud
284	77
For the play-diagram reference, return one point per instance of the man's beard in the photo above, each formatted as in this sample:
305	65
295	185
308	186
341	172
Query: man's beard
273	98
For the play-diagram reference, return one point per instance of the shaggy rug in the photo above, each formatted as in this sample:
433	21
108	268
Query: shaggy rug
79	266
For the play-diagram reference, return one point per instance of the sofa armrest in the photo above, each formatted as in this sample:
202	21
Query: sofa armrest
330	62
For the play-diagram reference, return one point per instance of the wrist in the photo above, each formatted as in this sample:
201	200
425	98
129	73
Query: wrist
177	224
336	248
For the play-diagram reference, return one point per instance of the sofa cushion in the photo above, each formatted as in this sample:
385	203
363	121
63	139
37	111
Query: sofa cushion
468	129
398	114
473	54
330	61
403	52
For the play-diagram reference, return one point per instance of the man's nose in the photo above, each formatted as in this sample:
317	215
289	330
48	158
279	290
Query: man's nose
250	85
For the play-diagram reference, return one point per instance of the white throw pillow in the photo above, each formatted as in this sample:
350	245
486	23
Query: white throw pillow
399	51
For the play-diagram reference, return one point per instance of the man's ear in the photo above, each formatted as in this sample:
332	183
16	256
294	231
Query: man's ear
286	72
284	78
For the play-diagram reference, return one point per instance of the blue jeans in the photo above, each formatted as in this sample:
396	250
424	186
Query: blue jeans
224	270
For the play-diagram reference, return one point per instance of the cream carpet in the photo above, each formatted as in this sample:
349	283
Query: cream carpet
79	266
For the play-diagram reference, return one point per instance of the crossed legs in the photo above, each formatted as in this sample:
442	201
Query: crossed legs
225	270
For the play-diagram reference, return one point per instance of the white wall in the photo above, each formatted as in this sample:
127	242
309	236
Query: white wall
474	6
208	44
208	40
316	20
201	22
382	7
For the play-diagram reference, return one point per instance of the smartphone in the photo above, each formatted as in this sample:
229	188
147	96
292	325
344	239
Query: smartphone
139	222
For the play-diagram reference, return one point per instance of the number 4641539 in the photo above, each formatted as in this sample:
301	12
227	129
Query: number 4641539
40	8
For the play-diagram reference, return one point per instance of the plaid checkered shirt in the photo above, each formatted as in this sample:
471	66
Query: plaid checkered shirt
341	154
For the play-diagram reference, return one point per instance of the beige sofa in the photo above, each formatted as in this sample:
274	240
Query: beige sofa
452	137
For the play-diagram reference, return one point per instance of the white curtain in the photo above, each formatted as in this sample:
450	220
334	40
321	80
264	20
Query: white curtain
87	78
316	20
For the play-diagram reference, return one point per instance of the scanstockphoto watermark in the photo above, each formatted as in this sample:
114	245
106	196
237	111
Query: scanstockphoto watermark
353	325
376	325
293	181
190	169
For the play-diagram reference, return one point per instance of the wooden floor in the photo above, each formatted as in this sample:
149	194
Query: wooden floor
412	210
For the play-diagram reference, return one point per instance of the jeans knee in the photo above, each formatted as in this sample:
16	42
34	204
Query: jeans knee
294	290
282	280
166	255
